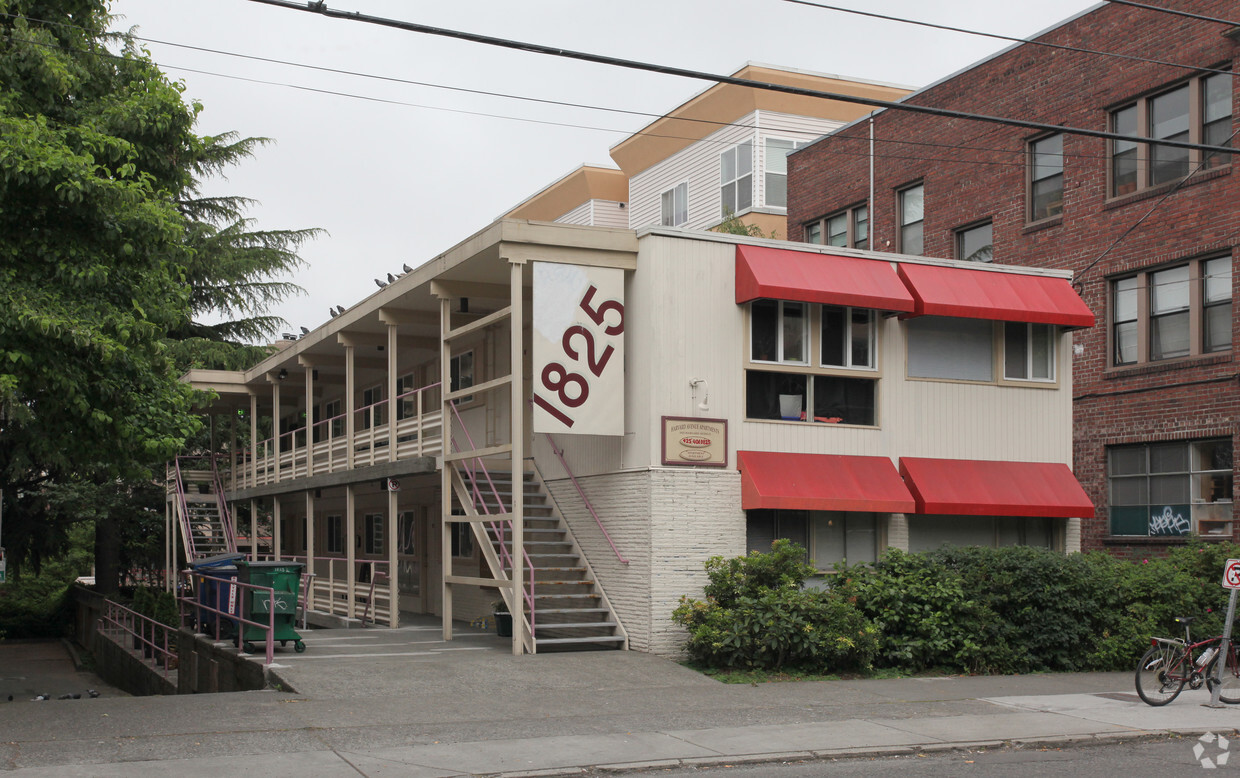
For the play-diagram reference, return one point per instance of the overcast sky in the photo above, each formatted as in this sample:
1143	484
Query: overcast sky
397	173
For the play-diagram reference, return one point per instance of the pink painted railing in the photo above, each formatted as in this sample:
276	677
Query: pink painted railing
518	493
127	627
192	605
559	453
184	506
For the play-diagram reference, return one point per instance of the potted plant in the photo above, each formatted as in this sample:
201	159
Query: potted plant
503	619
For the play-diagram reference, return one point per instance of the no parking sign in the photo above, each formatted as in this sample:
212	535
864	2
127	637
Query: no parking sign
1231	574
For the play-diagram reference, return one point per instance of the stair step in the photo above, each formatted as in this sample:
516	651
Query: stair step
542	611
562	641
554	582
557	625
586	596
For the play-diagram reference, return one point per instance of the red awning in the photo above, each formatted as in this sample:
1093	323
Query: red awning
821	482
992	294
811	277
965	487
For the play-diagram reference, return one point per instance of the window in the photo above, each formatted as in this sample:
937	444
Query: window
335	421
1173	115
407	540
461	375
1045	177
779	332
976	243
849	228
676	206
1171	489
1028	352
372	537
943	347
912	215
462	539
777	151
406	403
829	537
927	533
373	407
335	534
736	179
847	337
1178	311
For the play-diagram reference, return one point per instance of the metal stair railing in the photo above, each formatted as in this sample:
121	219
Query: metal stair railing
559	453
517	480
217	486
187	531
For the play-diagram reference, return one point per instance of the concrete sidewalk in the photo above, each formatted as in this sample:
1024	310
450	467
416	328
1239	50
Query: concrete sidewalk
399	702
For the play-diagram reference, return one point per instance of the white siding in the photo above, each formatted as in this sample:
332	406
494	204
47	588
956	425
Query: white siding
582	214
598	213
698	164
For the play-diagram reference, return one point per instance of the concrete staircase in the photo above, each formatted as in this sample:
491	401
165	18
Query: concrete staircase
570	609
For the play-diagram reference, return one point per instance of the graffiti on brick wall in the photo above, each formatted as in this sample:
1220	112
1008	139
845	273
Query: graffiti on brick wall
1169	523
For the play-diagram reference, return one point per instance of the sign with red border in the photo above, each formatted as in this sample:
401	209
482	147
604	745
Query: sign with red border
694	442
1231	574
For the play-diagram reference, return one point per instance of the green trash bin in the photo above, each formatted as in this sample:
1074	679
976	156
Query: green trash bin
285	579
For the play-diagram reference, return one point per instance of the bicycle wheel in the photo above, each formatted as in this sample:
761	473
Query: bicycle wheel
1161	674
1230	691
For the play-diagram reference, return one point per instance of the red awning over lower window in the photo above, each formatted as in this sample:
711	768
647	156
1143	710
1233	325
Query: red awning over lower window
811	277
992	294
821	482
964	487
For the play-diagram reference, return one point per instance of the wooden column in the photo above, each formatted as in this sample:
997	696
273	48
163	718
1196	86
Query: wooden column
350	419
445	468
350	544
309	545
391	391
393	590
277	532
517	414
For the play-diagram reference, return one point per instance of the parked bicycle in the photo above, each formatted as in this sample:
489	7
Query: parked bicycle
1172	663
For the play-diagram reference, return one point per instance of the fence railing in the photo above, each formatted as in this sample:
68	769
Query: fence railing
294	454
126	627
216	606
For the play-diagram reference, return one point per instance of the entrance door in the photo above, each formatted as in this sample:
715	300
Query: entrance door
411	559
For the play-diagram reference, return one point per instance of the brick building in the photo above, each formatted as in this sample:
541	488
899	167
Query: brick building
1149	231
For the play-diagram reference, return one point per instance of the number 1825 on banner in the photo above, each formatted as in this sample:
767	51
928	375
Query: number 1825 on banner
578	359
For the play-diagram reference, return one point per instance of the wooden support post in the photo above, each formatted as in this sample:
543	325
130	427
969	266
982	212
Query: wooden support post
517	416
445	478
277	531
393	592
275	428
253	441
391	390
309	421
350	545
309	545
350	421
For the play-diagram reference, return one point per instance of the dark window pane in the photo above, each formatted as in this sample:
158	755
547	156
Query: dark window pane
975	244
834	333
764	327
1169	336
1212	455
861	226
1128	461
744	193
1169	458
1047	198
769	395
1130	491
862	337
1015	350
1124	153
844	400
794	332
759	531
1217	335
837	230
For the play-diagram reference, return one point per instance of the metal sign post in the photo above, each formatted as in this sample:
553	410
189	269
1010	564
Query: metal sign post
1231	580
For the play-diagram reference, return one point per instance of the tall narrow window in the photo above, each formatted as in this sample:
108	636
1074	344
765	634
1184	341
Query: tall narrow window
372	539
776	178
675	206
847	337
813	233
1169	313
1169	120
778	331
1046	177
1124	320
1216	300
736	179
1216	115
1028	351
461	375
861	227
912	214
1124	152
335	534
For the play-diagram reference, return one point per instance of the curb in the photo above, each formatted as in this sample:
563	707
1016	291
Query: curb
1053	741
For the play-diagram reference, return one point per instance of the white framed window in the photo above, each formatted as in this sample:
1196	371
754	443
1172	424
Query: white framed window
675	206
779	332
848	336
736	179
1028	352
461	375
1171	489
335	534
372	533
776	173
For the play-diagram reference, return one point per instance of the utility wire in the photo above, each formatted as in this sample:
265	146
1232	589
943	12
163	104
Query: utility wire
996	36
534	48
1175	12
506	95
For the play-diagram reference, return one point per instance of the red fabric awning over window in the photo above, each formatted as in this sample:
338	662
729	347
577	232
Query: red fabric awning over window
990	294
964	487
821	482
811	277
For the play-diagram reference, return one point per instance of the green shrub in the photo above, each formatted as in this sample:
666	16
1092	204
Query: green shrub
757	615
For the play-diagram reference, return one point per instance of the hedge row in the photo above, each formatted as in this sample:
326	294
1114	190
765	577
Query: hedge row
977	610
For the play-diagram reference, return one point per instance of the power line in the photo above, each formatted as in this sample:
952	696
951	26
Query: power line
997	36
534	48
1175	12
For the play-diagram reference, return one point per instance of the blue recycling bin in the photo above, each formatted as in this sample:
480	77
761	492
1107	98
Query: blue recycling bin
217	589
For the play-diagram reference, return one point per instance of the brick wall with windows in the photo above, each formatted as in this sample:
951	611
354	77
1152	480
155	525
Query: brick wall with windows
1160	365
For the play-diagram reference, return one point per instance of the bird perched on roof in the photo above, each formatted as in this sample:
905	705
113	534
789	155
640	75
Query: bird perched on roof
391	278
379	283
332	311
407	268
305	330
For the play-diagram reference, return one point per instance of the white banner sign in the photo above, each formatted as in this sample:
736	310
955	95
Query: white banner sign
578	360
